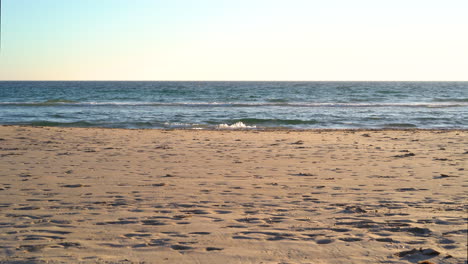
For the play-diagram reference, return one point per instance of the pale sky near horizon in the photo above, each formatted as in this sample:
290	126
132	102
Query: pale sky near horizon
419	40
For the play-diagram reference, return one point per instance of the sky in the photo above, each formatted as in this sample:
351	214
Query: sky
304	40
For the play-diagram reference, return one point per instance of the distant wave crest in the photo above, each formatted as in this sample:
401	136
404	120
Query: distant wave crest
437	104
459	100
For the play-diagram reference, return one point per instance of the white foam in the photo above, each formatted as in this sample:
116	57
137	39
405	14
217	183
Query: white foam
238	125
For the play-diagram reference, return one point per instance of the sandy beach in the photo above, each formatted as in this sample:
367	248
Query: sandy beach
90	195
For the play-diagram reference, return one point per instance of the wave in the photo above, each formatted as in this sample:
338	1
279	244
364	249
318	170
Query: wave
46	123
237	125
247	123
399	125
59	101
50	102
60	124
388	92
55	102
277	100
135	125
456	100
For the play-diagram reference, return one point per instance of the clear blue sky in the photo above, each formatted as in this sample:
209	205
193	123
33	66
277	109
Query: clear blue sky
234	40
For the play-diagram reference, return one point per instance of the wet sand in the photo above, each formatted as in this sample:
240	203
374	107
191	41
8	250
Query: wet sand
89	195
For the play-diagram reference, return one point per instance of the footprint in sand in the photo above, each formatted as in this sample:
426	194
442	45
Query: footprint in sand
213	249
200	233
250	220
350	239
324	241
33	248
75	185
181	247
153	222
40	237
132	235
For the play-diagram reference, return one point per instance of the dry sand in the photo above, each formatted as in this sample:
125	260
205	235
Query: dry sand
128	196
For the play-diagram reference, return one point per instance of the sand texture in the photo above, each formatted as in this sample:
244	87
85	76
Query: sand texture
78	195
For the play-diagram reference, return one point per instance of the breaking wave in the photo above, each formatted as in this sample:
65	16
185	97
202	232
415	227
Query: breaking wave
238	125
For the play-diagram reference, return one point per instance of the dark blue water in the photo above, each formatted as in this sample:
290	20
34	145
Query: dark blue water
301	105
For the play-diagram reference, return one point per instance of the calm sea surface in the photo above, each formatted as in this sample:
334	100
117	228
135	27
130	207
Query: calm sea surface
301	105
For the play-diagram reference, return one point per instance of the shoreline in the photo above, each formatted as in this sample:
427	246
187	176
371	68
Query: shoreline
106	195
255	129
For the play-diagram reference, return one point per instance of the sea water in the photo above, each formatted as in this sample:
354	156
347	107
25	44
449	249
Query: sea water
230	105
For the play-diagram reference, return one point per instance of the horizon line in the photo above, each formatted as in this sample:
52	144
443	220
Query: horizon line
233	80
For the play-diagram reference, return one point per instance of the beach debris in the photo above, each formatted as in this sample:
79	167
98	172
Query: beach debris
365	135
167	176
158	184
430	252
410	154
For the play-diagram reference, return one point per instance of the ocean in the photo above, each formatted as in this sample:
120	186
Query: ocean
230	105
